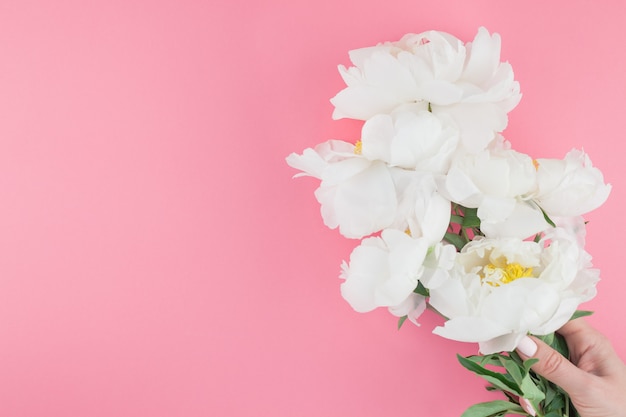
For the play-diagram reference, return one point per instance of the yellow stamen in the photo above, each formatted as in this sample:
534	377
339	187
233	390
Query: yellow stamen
536	164
495	276
358	148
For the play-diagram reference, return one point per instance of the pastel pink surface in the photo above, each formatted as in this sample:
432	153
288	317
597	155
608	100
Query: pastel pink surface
156	258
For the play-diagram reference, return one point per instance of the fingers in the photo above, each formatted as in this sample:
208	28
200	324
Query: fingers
595	378
589	349
575	327
580	336
553	366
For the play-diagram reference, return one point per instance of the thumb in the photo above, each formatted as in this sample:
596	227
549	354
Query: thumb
553	366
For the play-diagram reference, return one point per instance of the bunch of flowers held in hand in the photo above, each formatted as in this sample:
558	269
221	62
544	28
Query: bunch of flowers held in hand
450	217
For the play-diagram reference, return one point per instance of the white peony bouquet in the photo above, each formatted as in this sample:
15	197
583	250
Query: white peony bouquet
450	217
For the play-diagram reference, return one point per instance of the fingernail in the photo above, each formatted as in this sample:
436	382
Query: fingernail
527	406
527	346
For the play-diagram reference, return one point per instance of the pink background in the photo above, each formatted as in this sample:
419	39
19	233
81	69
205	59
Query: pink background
157	259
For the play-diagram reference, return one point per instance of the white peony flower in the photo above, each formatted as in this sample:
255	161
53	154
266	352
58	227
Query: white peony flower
571	186
412	308
356	194
433	70
573	227
502	289
362	196
411	139
384	271
422	210
497	181
438	264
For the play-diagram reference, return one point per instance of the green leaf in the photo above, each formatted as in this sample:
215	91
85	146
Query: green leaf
548	339
470	212
581	313
456	219
401	321
514	370
421	290
531	392
557	403
455	239
515	357
560	345
557	400
470	218
556	342
493	359
496	379
529	362
512	397
519	374
551	395
493	409
548	219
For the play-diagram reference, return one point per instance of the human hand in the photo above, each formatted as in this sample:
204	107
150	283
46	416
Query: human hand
594	377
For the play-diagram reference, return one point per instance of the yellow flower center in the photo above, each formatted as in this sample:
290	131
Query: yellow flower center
358	148
536	164
509	272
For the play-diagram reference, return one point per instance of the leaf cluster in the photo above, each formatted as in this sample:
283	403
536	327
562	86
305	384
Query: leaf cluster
511	375
464	226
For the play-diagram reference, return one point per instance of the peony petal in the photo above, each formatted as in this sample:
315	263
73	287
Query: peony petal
450	298
505	343
361	204
565	310
376	136
483	57
493	209
525	220
412	307
470	329
310	163
460	188
571	187
362	102
368	269
440	93
478	122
